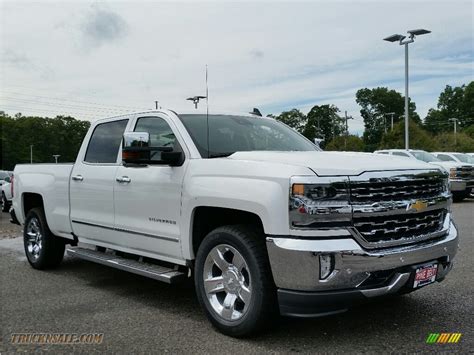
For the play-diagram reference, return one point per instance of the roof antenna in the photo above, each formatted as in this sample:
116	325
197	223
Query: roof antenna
207	114
195	100
256	112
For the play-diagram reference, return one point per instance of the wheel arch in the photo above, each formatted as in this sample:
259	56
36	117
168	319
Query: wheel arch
31	200
207	218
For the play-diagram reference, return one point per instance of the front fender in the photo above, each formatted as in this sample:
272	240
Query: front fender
266	199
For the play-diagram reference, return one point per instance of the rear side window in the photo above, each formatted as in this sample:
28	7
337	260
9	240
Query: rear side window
105	142
400	154
444	157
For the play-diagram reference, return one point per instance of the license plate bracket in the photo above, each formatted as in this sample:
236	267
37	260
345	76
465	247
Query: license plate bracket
425	274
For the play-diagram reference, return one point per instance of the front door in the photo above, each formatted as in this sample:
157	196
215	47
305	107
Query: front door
148	198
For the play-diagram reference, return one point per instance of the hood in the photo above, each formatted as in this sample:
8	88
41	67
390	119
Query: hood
449	164
335	163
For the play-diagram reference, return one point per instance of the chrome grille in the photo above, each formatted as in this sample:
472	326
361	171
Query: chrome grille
394	189
464	172
399	227
395	208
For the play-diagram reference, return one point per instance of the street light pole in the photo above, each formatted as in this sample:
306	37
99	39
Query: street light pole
455	120
347	129
31	154
407	121
401	39
391	119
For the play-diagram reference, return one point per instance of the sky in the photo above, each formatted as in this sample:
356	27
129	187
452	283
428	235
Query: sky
104	58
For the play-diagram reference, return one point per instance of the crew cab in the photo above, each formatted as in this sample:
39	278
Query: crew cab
262	220
461	175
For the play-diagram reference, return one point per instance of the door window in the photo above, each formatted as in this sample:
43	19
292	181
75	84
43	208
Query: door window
161	134
105	142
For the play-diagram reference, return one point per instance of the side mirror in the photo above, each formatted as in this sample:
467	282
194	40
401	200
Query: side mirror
172	158
7	179
136	149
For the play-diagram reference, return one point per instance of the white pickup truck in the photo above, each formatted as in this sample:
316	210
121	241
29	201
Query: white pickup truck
461	174
264	221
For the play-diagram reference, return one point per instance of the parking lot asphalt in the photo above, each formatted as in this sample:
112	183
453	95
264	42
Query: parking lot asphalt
137	314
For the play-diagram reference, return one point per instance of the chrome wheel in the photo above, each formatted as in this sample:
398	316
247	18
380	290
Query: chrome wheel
227	282
34	238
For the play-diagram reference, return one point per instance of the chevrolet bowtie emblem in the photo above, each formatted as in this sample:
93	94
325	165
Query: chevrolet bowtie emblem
418	206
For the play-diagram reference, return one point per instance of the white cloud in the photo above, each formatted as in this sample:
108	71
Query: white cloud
274	56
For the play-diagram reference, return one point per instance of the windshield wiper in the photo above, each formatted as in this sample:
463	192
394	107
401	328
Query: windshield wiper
221	155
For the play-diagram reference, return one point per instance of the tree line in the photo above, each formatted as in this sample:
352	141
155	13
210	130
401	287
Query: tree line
379	107
63	135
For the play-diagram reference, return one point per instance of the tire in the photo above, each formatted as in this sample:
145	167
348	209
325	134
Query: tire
5	203
458	196
246	283
42	248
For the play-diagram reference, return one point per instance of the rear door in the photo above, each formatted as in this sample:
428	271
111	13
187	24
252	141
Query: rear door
148	198
92	183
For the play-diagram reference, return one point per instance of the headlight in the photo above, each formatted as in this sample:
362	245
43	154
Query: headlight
319	205
447	185
452	173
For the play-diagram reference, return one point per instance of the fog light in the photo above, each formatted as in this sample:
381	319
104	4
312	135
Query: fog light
326	266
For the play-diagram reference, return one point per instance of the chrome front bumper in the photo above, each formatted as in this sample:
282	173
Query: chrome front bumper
458	185
295	262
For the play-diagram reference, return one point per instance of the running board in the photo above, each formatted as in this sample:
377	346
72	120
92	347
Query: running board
153	271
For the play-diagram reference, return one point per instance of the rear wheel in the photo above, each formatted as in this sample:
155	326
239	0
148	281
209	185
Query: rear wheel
459	196
42	248
233	280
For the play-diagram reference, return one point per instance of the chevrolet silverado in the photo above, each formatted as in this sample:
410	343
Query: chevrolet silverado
262	220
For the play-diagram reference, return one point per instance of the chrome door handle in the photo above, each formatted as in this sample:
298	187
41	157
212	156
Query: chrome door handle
123	179
77	178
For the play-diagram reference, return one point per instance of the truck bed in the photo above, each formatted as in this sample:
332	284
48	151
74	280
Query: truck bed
52	182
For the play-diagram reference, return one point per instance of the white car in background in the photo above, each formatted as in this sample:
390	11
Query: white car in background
6	188
453	156
461	175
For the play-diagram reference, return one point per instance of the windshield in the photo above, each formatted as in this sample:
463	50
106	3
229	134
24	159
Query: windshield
3	175
230	134
427	157
464	158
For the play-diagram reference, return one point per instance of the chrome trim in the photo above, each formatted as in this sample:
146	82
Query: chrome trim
320	213
389	208
153	271
353	264
410	190
169	239
336	232
414	192
398	281
227	284
404	240
33	238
